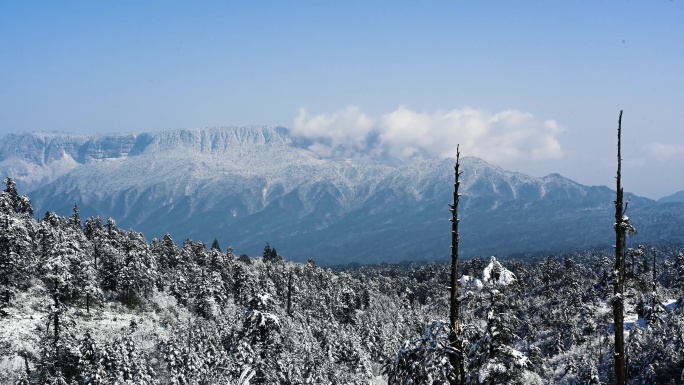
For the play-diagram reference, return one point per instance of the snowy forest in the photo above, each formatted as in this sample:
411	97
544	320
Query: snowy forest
83	301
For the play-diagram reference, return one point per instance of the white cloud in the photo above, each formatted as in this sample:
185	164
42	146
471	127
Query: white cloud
509	135
663	151
346	130
405	133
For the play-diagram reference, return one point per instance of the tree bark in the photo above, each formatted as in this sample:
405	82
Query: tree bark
547	279
456	355
619	272
289	293
26	366
654	293
57	362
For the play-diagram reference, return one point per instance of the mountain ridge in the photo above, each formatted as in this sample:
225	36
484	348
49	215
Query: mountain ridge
250	185
676	197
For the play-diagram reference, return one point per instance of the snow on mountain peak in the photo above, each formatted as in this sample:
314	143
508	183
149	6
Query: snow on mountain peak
250	184
219	139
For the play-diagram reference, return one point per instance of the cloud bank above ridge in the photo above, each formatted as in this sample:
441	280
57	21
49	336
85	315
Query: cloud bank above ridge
406	134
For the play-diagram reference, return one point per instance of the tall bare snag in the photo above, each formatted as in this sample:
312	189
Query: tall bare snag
456	353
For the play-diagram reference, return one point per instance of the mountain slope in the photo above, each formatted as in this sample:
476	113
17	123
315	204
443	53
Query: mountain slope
247	186
676	197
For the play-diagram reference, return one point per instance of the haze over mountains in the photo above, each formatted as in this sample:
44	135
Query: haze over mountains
247	186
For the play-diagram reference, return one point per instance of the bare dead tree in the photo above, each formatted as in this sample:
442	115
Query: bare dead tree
289	293
456	351
622	225
654	294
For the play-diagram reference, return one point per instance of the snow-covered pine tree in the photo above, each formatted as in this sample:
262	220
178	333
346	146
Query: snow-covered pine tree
493	357
16	242
215	245
270	254
194	354
75	218
422	361
245	283
209	294
11	201
16	256
124	362
679	281
260	339
91	370
167	254
138	275
108	247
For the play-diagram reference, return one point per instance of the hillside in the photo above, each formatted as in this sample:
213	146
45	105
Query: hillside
247	186
676	197
88	302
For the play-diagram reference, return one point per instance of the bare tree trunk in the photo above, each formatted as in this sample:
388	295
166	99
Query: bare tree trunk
619	271
289	293
547	278
653	294
189	337
56	362
456	355
26	366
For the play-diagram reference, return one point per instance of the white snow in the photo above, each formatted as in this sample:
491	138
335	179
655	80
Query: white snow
467	281
631	318
669	304
506	277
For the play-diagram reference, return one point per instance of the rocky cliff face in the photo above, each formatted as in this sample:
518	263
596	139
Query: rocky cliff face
250	185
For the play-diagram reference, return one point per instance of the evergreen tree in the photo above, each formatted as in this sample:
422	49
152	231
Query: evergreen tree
91	370
59	354
93	228
16	257
493	358
209	295
346	305
270	254
124	363
244	258
679	280
62	257
195	355
261	339
110	252
138	273
168	257
75	219
12	202
424	360
215	245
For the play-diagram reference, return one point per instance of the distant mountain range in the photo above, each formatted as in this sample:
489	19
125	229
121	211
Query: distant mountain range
676	197
247	186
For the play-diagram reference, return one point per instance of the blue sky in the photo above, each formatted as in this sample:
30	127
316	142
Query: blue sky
532	86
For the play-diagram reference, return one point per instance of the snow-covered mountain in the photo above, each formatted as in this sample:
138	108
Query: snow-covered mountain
247	186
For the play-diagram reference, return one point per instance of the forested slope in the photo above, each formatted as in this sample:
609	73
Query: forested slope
86	302
247	186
